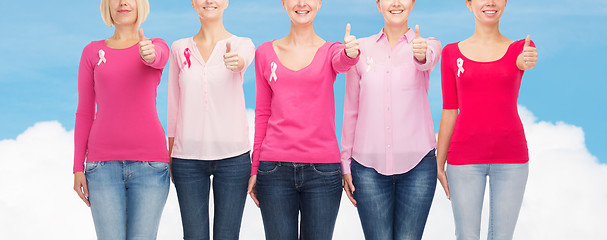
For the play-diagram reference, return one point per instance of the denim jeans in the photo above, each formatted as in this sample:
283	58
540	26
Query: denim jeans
506	189
394	206
192	182
286	189
127	198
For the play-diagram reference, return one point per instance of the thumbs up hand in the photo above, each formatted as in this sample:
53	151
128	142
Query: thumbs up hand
146	48
232	60
420	46
528	58
350	43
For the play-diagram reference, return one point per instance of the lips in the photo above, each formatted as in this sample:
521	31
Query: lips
124	11
302	12
396	11
209	8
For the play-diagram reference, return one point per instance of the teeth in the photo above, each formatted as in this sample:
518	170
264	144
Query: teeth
302	12
396	12
490	12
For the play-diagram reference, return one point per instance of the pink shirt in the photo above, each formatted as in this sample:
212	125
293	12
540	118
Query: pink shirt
488	128
116	117
206	110
295	111
387	122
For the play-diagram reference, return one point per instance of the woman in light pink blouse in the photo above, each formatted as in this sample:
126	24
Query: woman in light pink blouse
207	124
388	139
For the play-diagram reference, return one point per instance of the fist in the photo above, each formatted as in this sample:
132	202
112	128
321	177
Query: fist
420	46
350	43
529	55
232	60
146	48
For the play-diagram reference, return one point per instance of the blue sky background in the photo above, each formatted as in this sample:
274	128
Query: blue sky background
42	41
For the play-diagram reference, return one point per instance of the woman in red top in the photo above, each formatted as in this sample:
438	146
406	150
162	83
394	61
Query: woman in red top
481	77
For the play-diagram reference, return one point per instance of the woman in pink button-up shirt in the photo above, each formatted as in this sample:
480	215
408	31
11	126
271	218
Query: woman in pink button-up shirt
388	138
207	124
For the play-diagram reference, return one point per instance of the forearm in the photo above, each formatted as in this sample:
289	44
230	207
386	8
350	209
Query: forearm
445	131
171	141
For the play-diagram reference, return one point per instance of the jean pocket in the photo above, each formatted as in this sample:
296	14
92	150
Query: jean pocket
267	167
327	169
91	166
157	166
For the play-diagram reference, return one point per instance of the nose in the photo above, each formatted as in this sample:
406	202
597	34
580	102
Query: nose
490	3
123	2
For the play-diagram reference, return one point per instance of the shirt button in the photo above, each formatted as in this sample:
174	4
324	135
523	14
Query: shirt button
388	127
388	145
388	108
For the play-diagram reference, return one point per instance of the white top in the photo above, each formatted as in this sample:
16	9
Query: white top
206	110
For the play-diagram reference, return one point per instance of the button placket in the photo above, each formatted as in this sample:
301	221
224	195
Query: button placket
205	87
388	121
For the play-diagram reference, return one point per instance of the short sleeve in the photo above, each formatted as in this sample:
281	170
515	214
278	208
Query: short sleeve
448	84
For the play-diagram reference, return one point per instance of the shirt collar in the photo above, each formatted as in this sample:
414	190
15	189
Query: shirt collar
409	36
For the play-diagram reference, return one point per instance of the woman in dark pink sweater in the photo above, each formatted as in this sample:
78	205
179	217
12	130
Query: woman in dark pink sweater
296	159
118	134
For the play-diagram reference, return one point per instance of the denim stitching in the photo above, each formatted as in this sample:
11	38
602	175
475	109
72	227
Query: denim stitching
276	165
325	173
491	201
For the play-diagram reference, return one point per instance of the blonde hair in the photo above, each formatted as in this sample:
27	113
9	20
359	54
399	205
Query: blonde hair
143	10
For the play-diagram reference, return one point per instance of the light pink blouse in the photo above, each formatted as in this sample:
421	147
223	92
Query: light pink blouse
387	122
206	110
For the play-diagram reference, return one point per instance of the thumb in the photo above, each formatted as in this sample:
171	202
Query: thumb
528	41
417	34
228	47
348	28
141	36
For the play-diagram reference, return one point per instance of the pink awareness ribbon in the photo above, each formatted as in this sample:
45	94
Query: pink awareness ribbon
187	53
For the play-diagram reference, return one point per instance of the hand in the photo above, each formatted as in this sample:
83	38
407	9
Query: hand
349	188
251	190
171	141
146	48
81	188
442	178
171	170
528	58
350	43
420	46
232	60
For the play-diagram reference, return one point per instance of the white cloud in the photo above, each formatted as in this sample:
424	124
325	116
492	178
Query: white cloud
564	198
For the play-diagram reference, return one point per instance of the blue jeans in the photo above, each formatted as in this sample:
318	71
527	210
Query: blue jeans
467	186
192	182
127	198
286	189
394	206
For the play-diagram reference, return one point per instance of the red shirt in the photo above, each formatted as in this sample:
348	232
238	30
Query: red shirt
488	128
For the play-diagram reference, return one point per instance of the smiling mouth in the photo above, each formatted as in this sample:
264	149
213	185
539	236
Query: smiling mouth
396	11
302	12
209	8
490	12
